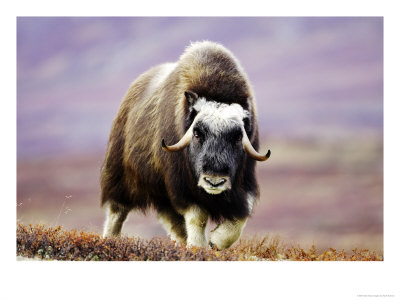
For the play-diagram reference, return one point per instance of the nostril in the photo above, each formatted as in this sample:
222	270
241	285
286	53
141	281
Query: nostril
220	182
215	181
208	180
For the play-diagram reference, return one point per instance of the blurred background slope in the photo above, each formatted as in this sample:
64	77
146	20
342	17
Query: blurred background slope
319	90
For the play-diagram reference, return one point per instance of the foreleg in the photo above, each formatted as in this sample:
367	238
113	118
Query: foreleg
226	233
196	221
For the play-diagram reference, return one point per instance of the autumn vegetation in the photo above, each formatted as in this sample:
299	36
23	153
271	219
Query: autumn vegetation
49	243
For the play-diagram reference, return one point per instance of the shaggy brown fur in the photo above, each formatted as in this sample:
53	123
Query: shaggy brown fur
137	174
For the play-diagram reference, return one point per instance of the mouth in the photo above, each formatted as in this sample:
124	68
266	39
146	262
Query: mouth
213	191
214	184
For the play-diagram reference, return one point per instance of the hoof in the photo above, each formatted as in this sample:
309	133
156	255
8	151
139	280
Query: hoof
212	246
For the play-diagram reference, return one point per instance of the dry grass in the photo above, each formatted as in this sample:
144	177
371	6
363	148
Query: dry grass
57	244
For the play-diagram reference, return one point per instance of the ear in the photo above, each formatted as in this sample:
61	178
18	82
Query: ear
191	97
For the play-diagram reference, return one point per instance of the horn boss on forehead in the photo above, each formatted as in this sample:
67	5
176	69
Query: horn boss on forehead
219	115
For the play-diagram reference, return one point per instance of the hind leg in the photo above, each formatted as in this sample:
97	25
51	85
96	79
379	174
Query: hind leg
116	216
174	224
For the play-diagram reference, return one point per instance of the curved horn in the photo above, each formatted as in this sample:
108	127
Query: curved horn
248	148
183	143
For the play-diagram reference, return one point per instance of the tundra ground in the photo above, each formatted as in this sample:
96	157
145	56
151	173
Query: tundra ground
55	243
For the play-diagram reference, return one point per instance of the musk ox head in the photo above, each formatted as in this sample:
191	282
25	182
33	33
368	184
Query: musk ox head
217	142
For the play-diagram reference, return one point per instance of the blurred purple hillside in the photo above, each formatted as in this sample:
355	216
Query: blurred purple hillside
319	89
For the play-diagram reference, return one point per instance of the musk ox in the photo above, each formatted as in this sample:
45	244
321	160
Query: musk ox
184	143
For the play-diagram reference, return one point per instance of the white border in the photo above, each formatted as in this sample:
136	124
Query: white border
252	280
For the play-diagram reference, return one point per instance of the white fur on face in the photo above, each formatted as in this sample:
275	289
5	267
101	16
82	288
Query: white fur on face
219	116
204	182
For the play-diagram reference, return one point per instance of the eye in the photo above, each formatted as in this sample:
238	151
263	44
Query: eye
239	138
236	137
197	134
